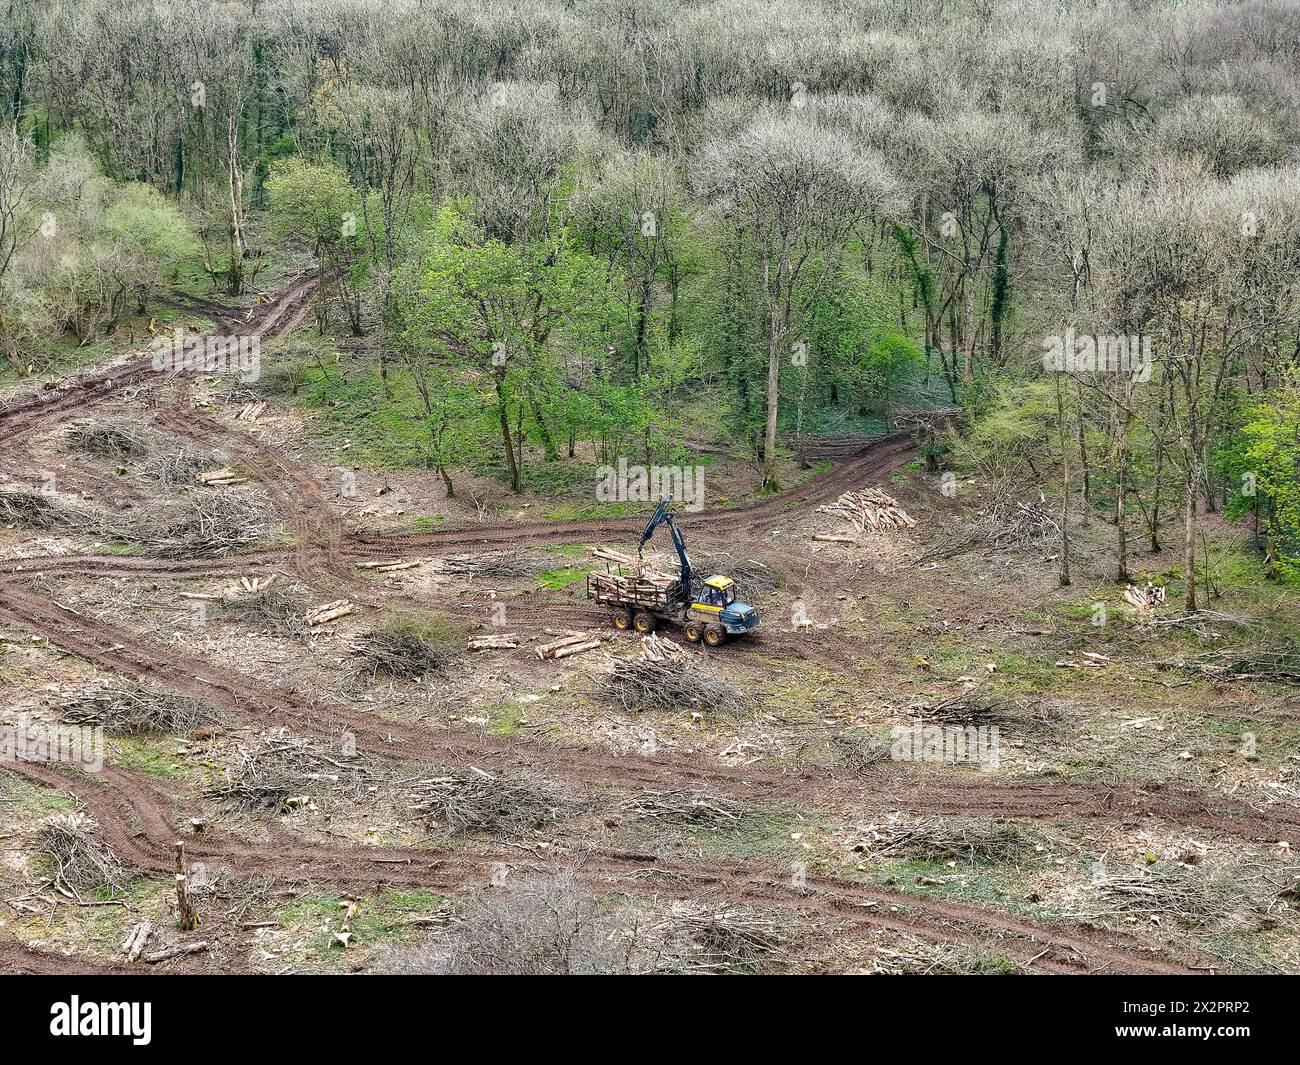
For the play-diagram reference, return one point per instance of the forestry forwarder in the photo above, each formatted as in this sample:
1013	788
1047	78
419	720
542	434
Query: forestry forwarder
639	601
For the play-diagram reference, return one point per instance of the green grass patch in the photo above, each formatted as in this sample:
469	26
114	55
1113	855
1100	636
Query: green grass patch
557	579
148	754
383	918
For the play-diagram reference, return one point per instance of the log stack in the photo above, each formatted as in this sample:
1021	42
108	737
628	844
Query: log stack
569	643
222	478
645	586
496	641
339	608
867	508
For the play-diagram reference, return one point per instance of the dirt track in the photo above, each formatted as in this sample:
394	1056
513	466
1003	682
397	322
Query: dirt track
121	803
326	551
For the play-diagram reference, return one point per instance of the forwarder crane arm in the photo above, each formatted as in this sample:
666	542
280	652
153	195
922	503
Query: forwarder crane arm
662	516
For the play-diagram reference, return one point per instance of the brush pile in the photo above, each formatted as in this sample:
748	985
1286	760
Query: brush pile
1145	893
859	750
470	799
1276	665
182	464
1006	525
117	440
639	685
684	807
206	525
961	839
491	564
286	772
409	648
720	939
83	863
43	512
969	708
274	607
129	709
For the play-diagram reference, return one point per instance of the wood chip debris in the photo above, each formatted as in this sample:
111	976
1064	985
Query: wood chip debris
339	608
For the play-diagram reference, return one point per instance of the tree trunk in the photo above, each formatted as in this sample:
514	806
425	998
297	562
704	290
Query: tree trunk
1189	537
773	397
507	438
1064	577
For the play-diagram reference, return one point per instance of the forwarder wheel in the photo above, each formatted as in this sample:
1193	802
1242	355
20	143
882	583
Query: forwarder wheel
694	631
622	620
644	623
714	635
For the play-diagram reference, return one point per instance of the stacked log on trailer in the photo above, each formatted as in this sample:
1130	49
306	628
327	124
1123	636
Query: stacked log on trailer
643	587
867	508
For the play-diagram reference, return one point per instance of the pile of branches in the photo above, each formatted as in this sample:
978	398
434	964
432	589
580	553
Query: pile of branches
491	564
83	863
1006	525
208	524
473	800
286	770
969	708
721	939
1146	893
32	510
130	709
277	608
1277	665
639	685
36	510
754	577
410	648
180	465
962	839
117	440
682	806
859	751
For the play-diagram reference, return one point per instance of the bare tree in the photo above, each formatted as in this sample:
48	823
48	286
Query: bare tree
796	192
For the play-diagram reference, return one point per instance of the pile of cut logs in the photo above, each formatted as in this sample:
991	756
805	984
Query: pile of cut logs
868	508
221	478
494	641
1146	597
390	567
247	586
645	586
568	643
658	649
339	608
250	412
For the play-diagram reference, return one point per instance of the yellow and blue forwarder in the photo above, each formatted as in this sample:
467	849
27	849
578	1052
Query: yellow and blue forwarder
710	612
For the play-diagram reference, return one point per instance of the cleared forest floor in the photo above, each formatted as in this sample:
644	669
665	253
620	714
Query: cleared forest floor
1142	814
